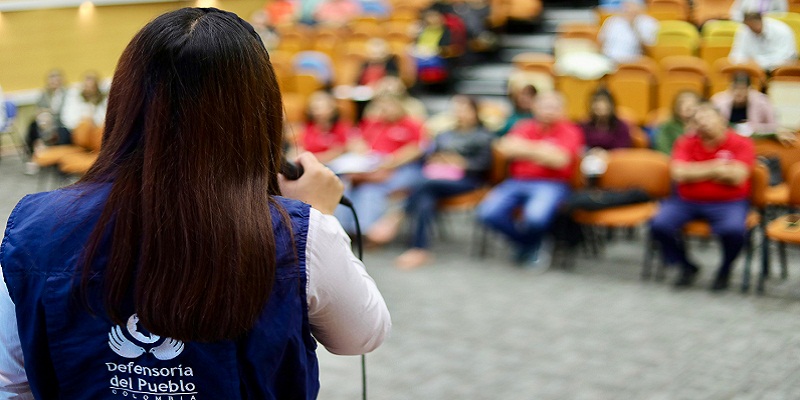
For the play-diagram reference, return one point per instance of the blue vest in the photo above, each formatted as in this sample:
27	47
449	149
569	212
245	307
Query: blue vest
71	354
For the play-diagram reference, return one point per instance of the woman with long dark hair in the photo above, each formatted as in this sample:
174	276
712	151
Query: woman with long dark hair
604	130
173	267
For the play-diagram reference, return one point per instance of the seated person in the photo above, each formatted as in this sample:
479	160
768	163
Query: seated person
394	86
543	154
379	64
457	162
396	140
281	12
86	103
711	167
521	102
767	41
604	130
624	36
307	11
323	133
746	109
432	47
475	14
51	102
740	7
337	12
683	108
261	21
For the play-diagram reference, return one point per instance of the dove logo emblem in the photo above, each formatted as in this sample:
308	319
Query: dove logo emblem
124	347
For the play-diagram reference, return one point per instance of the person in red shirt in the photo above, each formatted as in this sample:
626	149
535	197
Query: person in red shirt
324	133
398	140
543	153
711	167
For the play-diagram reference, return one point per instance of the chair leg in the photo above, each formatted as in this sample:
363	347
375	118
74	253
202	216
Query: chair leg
747	263
782	255
649	251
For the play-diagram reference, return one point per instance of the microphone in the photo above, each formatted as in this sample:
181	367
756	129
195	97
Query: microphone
293	172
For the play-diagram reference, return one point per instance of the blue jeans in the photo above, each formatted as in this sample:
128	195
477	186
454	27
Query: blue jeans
727	220
371	200
421	205
538	200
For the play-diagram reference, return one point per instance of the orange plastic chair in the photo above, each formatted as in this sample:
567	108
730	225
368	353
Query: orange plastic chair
722	70
714	48
787	73
794	6
523	10
720	29
630	168
534	62
705	10
576	93
788	156
634	86
577	30
665	10
681	73
81	138
783	230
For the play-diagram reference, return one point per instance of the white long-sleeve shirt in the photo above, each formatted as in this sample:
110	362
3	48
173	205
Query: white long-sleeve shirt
346	311
76	109
623	41
739	7
775	46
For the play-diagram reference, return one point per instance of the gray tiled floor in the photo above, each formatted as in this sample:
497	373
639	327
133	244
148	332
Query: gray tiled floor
481	329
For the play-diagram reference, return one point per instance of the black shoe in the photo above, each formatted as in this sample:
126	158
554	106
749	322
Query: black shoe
721	282
687	278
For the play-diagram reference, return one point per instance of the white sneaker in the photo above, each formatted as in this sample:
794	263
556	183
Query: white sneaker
31	168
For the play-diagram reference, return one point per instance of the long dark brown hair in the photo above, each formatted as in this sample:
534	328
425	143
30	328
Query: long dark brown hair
191	148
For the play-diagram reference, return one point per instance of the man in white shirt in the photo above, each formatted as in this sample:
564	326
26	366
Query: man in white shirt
624	36
768	42
739	7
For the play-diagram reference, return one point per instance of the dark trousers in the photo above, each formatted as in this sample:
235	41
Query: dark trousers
62	137
421	205
727	220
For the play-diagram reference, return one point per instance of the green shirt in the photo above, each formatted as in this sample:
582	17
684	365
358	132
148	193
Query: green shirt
667	134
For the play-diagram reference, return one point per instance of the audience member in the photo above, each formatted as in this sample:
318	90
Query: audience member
307	11
475	14
604	130
432	47
379	64
86	103
394	86
746	109
711	168
740	7
456	162
683	108
376	8
767	41
624	36
543	155
396	139
324	133
521	103
51	102
261	21
281	12
337	12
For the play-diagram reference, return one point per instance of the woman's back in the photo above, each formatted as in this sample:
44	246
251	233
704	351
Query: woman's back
80	355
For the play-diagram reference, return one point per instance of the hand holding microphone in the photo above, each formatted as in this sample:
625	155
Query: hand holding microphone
311	182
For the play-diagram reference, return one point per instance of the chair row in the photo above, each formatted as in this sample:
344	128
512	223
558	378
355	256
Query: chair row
645	85
699	12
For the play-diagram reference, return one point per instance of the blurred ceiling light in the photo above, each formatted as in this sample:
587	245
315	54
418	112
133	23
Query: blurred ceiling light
86	9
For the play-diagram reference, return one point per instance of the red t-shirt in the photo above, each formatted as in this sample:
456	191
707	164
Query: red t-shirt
316	141
386	138
562	134
689	148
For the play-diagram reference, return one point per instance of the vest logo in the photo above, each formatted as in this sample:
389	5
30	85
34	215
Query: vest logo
120	344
